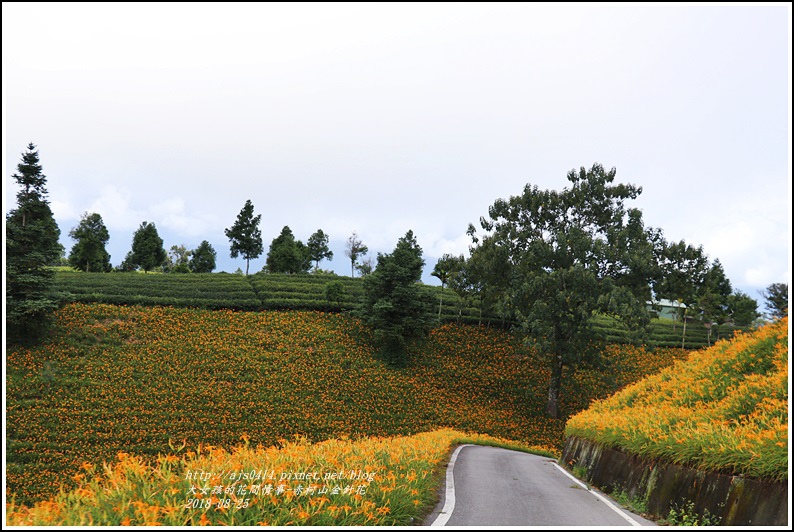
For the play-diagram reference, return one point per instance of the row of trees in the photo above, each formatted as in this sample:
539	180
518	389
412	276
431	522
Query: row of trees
286	253
549	261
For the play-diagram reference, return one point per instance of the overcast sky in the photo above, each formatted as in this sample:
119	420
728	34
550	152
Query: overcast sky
384	118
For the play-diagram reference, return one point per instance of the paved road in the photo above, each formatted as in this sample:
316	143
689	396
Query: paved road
500	487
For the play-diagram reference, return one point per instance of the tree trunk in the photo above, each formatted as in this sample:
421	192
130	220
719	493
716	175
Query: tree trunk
683	339
246	266
552	407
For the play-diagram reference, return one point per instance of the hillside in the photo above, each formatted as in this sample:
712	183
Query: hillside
722	409
266	291
137	379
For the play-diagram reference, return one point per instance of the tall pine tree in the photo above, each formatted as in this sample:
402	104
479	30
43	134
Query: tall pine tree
394	306
245	236
31	246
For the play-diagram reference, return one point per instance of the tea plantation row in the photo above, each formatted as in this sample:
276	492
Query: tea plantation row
321	292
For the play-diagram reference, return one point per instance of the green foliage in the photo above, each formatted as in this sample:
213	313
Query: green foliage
31	246
354	249
288	255
177	259
687	515
318	248
556	259
202	259
394	307
245	235
147	248
742	308
335	293
683	270
776	295
447	267
88	252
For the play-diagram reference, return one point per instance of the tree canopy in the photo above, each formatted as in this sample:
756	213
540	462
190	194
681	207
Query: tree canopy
776	296
287	255
202	259
318	248
245	236
554	259
88	252
353	250
147	248
397	310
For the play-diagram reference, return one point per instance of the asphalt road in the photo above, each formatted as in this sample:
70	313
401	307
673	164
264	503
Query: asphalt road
499	487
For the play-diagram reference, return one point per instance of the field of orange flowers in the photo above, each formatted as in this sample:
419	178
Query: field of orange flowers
372	481
132	379
722	409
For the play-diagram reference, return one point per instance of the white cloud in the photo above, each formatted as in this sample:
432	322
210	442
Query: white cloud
113	205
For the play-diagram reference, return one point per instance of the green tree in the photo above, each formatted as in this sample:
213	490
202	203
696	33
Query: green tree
147	248
394	307
178	259
364	267
711	305
683	268
202	260
31	245
88	252
562	257
447	266
287	255
245	236
318	248
776	296
742	308
354	249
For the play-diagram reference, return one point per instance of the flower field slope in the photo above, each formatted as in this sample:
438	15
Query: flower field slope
722	409
372	481
135	379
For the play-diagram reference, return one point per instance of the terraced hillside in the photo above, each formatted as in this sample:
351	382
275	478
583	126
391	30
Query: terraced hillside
329	293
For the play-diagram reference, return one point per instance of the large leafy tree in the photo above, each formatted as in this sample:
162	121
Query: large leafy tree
560	258
318	248
31	245
287	255
202	259
147	248
394	307
354	249
88	252
776	296
245	236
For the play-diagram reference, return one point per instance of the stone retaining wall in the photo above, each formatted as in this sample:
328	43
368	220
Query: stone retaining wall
736	500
